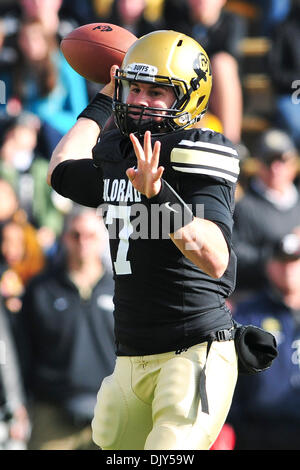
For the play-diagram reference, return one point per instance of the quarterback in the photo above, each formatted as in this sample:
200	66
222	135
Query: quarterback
176	366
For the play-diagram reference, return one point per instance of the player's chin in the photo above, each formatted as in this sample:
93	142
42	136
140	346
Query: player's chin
143	125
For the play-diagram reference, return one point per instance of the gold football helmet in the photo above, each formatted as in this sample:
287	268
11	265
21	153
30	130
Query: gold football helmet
171	59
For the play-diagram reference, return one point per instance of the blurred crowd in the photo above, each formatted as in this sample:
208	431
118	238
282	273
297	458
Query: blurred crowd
56	287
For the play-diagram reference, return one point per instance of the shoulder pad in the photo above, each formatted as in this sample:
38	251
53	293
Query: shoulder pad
205	152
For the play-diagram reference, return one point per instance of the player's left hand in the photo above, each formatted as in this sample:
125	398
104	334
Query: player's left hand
147	177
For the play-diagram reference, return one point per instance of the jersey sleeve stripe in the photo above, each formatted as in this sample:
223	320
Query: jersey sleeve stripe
207	146
199	167
207	171
212	160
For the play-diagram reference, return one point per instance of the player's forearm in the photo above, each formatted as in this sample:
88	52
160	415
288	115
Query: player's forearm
76	144
203	243
200	240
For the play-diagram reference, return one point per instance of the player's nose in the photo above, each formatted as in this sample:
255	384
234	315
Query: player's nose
142	99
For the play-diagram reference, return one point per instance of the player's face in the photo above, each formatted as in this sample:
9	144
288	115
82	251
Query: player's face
150	95
13	244
33	43
279	174
285	275
206	11
85	238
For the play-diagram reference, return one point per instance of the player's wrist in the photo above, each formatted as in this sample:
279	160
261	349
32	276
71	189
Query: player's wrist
175	212
156	190
99	109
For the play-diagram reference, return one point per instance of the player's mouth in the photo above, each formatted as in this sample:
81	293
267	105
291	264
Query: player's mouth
141	116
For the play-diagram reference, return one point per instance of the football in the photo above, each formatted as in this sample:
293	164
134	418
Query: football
93	48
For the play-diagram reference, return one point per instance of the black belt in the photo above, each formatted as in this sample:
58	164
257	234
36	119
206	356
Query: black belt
220	335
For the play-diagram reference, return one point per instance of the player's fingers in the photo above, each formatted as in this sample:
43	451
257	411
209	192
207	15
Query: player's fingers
113	72
159	172
138	149
131	173
148	146
156	154
109	88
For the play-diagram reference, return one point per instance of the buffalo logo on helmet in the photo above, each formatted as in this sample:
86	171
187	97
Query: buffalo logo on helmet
202	66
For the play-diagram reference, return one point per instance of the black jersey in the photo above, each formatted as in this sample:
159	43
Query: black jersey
162	300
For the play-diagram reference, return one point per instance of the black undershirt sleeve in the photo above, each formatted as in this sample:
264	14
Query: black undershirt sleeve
80	181
211	200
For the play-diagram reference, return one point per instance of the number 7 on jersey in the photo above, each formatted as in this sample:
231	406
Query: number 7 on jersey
121	264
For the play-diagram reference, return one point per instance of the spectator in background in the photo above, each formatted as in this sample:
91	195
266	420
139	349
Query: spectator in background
43	83
11	286
67	322
45	11
130	15
284	61
219	32
14	420
9	203
85	12
48	12
269	207
266	407
21	258
26	171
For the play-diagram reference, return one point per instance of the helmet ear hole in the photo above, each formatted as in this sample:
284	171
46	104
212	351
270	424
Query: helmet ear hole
200	99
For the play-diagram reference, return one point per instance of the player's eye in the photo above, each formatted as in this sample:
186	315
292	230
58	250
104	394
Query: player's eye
156	93
134	89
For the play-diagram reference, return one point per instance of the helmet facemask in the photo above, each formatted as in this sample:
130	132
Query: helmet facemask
139	125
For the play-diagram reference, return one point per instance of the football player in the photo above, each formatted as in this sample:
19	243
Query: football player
174	267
